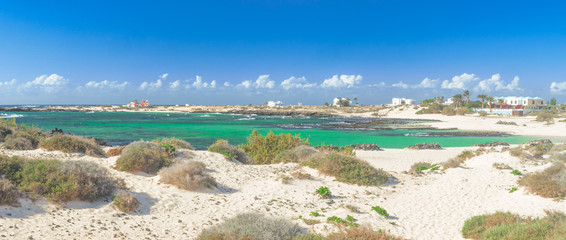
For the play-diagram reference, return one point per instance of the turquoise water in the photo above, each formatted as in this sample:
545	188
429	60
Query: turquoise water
201	130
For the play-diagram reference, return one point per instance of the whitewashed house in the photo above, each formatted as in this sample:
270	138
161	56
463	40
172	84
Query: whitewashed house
527	102
402	101
274	104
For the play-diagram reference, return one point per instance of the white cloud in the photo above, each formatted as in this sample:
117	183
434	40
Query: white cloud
213	84
294	82
198	83
557	87
227	84
151	85
106	84
400	85
175	84
8	83
262	81
459	82
342	81
47	81
381	84
163	76
496	84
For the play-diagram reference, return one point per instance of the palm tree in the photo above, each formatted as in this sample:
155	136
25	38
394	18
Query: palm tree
490	100
457	99
482	97
356	99
467	95
500	101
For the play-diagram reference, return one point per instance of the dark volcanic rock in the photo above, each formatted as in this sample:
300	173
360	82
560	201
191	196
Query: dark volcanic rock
469	134
422	146
366	147
506	123
539	142
491	144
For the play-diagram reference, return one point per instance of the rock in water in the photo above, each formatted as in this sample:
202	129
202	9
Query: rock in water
428	146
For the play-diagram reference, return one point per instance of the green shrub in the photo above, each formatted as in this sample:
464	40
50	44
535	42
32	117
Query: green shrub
324	192
545	117
350	221
221	146
143	156
297	154
71	144
125	202
21	141
11	168
263	150
462	111
347	169
175	142
187	175
381	211
4	132
448	111
252	226
419	167
506	225
516	172
9	195
482	113
550	183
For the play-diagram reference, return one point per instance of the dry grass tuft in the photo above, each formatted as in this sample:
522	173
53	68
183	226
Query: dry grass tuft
347	169
418	168
298	154
501	166
460	159
223	147
300	175
4	132
72	144
187	175
20	141
9	195
352	233
550	183
252	226
143	156
126	202
117	151
175	142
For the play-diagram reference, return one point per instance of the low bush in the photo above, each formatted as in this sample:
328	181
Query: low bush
187	175
126	202
20	141
545	117
482	113
298	154
117	151
143	156
379	210
262	150
71	144
448	111
419	167
462	111
221	146
558	157
505	225
352	233
347	169
516	172
324	192
252	226
460	159
9	195
175	142
4	132
549	183
501	166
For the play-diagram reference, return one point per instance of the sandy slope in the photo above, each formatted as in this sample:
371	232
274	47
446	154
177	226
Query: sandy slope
433	206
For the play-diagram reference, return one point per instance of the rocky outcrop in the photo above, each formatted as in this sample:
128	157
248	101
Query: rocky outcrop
506	123
425	146
539	142
366	147
491	144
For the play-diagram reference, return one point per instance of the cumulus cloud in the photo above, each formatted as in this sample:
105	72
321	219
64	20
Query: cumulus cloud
163	76
459	82
8	83
227	84
558	87
175	84
294	82
342	81
154	85
47	81
199	83
496	84
213	84
381	84
262	81
106	84
425	83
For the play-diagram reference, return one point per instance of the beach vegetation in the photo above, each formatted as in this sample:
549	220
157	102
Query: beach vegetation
143	156
21	141
506	225
174	142
381	211
4	132
547	117
462	111
297	154
252	226
324	192
9	194
188	175
549	183
482	113
316	214
349	221
71	144
352	233
516	172
460	159
347	169
263	149
126	201
59	181
223	147
513	189
448	111
117	151
501	166
419	167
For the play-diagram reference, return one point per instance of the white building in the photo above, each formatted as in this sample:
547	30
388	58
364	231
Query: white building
274	104
529	102
337	100
402	101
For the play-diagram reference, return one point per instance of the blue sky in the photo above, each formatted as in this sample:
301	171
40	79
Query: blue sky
240	52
